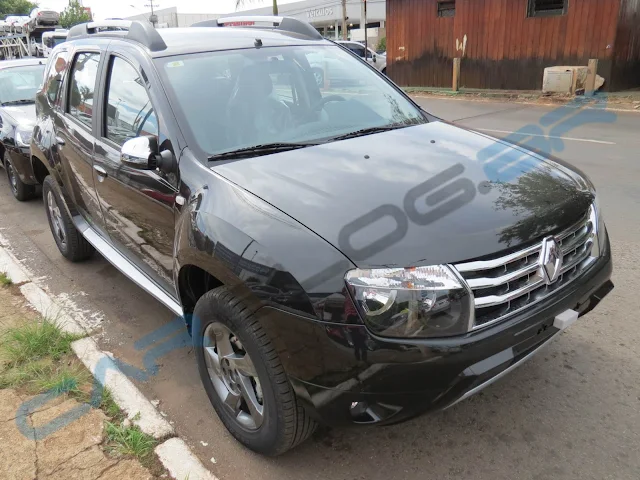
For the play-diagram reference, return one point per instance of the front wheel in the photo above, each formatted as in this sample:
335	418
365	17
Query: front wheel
243	377
21	191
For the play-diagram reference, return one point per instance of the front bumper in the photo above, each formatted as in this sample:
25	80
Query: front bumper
344	375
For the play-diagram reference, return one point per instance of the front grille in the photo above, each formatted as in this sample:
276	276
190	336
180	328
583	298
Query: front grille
508	284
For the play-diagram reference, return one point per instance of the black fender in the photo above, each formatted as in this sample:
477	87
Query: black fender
241	240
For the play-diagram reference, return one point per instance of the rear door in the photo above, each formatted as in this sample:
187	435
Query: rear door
73	130
138	205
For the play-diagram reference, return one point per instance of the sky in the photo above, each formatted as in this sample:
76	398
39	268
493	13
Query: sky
125	8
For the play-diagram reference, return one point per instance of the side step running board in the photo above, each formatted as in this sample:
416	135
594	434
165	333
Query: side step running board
125	266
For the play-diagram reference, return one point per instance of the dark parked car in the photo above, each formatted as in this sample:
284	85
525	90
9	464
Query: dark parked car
338	258
19	82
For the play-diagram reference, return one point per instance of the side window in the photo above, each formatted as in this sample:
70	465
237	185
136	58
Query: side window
357	49
54	76
128	112
82	88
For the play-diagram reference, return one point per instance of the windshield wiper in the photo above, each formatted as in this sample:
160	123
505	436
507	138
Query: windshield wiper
17	102
368	131
258	150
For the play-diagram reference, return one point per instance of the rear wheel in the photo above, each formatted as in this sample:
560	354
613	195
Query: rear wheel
71	243
243	377
20	190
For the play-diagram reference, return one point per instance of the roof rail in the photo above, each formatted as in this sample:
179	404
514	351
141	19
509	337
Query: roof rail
138	31
286	24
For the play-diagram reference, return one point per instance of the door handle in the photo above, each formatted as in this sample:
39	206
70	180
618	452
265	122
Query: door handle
102	173
60	141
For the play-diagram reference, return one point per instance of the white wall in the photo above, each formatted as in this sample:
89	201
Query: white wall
322	11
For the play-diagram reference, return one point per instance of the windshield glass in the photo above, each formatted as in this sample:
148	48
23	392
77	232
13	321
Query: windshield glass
242	98
20	83
52	42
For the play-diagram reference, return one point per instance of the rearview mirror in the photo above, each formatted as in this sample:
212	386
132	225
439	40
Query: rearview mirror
138	152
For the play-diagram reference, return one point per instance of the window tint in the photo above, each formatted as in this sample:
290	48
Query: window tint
447	8
55	72
543	8
357	49
129	112
82	89
20	84
279	94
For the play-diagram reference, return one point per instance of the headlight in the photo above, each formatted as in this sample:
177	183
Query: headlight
23	135
598	232
412	302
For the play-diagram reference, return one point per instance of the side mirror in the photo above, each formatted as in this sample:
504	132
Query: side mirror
138	152
375	59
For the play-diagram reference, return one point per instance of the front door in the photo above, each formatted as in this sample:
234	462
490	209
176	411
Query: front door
137	205
74	135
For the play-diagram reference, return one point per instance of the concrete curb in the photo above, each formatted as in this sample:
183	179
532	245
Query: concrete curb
174	453
138	409
177	457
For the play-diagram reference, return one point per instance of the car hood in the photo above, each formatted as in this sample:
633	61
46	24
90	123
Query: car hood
22	114
427	194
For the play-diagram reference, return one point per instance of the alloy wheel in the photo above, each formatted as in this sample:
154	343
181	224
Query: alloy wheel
13	180
56	219
234	376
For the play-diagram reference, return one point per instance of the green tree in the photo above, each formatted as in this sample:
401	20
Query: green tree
240	3
73	15
16	7
382	45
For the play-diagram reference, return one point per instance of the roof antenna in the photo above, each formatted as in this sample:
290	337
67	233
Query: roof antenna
258	43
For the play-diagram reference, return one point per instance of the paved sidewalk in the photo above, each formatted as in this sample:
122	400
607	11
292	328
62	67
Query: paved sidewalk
72	452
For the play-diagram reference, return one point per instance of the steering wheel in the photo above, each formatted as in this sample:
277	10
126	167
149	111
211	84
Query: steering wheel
324	100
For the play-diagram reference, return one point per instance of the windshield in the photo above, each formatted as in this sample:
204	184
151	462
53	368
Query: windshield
20	84
242	98
52	42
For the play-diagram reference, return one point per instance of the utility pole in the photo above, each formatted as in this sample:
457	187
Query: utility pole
153	19
344	20
366	40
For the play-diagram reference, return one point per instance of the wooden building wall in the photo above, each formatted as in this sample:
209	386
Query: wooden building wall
504	48
626	55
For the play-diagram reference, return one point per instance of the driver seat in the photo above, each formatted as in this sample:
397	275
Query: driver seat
252	108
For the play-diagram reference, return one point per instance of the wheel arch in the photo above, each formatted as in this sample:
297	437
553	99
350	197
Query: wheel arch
193	283
40	170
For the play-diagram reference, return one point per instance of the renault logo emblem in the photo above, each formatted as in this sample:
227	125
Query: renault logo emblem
550	260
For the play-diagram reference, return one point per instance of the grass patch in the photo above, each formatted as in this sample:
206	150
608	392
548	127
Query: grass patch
64	376
4	280
129	440
70	379
109	406
34	341
20	375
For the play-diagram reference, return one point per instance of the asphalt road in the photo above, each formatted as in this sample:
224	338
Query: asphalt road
573	412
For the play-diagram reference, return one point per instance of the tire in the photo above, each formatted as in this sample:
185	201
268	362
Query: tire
318	75
21	191
71	243
285	423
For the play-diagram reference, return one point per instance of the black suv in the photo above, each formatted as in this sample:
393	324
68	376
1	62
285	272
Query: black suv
338	254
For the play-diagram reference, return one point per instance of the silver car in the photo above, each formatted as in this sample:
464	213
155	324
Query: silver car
376	60
43	16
